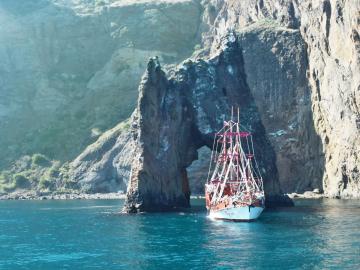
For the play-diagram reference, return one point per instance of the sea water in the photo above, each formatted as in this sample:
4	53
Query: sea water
90	234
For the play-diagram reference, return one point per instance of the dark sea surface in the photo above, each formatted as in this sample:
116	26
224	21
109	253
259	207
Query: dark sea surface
316	234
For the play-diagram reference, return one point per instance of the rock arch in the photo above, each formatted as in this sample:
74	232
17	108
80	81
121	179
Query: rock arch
179	114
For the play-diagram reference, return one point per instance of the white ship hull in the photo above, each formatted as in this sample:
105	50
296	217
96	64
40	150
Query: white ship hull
239	213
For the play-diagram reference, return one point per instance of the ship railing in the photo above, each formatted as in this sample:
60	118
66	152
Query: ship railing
236	155
232	134
227	157
234	181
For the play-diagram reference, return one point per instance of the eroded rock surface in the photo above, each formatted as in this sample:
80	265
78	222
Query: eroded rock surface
332	32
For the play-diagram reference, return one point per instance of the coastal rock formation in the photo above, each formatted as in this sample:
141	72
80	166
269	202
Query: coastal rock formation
283	62
178	114
293	68
69	70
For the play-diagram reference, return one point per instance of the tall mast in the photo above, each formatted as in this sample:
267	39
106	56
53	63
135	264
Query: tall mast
238	116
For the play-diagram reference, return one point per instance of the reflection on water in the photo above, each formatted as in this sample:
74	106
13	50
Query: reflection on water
322	234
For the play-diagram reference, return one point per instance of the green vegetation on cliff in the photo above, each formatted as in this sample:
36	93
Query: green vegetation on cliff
63	77
37	173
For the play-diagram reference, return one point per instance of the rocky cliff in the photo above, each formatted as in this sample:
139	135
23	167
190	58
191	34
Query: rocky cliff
330	31
291	66
69	70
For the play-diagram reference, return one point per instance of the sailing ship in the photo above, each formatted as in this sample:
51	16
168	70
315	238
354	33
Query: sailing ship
234	187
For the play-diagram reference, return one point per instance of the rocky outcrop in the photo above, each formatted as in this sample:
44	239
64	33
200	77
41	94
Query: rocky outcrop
284	108
70	70
178	114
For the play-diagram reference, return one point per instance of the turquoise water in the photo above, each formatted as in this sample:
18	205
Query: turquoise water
323	234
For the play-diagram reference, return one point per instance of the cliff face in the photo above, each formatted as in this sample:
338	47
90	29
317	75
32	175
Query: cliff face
330	30
70	69
283	96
